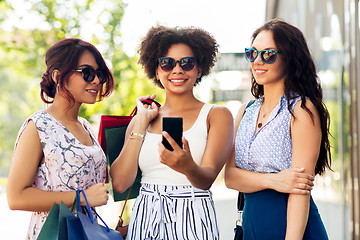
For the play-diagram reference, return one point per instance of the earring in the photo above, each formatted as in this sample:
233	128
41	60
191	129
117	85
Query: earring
57	88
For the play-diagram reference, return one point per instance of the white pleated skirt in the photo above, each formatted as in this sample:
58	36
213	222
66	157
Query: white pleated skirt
173	212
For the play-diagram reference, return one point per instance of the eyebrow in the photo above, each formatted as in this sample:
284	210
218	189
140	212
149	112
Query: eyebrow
269	48
87	65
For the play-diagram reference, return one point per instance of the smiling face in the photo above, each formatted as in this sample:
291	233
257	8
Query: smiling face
178	80
82	91
266	74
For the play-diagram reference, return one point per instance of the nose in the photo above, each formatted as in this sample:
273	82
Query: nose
96	80
258	60
177	67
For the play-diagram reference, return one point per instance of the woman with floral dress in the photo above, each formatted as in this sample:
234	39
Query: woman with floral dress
56	151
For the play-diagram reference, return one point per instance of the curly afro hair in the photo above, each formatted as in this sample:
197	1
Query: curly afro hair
159	39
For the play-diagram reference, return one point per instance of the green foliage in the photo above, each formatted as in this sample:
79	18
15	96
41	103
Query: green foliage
22	51
15	105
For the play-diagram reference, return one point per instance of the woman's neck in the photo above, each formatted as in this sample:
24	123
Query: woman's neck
272	95
62	110
180	102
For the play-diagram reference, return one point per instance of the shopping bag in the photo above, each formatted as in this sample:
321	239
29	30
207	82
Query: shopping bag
55	226
115	137
50	230
111	138
108	121
74	228
95	231
84	226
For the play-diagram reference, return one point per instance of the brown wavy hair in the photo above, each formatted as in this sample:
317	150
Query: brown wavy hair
159	39
64	56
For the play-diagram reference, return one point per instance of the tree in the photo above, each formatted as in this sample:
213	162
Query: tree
23	49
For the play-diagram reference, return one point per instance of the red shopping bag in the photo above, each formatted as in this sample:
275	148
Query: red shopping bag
111	138
108	121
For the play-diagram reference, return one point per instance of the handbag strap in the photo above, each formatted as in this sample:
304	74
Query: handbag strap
89	209
120	222
127	197
147	101
240	201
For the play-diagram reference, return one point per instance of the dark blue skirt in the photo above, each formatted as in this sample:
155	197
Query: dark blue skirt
264	217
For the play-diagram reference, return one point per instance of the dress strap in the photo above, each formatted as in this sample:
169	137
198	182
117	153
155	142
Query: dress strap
204	112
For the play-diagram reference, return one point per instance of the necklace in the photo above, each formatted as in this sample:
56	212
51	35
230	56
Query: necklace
260	124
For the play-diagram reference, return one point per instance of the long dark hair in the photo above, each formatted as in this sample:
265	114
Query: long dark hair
64	56
300	79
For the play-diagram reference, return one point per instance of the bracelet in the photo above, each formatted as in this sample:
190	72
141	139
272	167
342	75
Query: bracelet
134	135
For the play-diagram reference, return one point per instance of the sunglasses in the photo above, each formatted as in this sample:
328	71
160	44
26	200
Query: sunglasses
167	64
267	56
88	73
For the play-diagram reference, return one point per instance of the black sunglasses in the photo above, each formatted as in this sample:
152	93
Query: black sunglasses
88	74
186	63
267	56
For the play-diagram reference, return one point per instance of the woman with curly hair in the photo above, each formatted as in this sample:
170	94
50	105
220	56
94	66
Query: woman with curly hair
174	200
56	151
281	138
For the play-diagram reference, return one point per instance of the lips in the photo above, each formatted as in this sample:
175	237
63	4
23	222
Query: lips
260	71
92	91
178	82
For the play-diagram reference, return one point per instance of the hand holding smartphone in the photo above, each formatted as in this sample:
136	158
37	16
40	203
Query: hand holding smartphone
173	126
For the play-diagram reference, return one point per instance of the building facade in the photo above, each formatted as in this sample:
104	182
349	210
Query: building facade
332	30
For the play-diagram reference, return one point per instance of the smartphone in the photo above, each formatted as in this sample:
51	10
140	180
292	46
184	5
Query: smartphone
173	126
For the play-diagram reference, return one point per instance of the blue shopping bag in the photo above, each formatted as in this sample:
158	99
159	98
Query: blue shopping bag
84	226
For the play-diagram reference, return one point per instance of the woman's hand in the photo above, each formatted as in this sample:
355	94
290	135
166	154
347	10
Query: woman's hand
96	195
293	180
179	159
146	112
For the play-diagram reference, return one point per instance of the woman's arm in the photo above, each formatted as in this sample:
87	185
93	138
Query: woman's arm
306	140
22	195
292	180
124	169
218	146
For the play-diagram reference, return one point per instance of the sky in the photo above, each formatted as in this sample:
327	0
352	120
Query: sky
231	22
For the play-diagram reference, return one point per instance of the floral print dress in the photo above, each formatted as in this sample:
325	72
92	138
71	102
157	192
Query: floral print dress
68	165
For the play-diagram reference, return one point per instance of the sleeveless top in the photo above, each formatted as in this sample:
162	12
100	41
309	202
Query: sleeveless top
154	172
270	149
69	165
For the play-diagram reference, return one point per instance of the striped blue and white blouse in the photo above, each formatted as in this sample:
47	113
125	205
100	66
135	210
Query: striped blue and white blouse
270	149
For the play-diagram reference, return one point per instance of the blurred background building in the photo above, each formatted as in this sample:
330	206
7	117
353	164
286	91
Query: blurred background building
332	30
